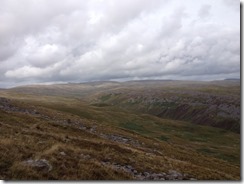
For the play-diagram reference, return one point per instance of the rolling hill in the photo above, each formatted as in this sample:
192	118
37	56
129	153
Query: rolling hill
135	130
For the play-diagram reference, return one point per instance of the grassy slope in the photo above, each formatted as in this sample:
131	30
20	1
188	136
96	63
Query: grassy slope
208	103
201	152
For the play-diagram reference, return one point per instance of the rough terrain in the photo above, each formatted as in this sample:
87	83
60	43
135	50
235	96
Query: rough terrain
106	131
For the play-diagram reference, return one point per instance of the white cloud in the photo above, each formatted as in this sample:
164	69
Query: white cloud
25	71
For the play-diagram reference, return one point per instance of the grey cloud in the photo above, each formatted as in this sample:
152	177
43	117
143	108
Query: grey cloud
7	50
49	41
204	11
173	22
234	4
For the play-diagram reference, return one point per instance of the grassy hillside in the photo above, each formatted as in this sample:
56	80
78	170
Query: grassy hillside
88	131
214	104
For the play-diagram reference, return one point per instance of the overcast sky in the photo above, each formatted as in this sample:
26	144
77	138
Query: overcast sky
45	41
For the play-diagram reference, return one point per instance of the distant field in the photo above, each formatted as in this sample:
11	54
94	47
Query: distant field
133	130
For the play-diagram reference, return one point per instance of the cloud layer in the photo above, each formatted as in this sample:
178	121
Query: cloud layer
76	41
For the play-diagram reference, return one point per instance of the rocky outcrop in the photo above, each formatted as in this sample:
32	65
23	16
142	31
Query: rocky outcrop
8	106
41	164
205	108
147	175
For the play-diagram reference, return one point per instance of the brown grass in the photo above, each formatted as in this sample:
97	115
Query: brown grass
28	136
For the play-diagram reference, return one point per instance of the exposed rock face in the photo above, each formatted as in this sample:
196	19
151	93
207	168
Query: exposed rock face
206	108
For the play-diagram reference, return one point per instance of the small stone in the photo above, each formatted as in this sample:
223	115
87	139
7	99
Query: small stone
129	167
169	177
105	162
42	164
175	175
62	153
87	157
146	174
